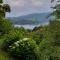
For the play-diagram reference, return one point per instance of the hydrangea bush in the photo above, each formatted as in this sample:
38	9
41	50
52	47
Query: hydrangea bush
24	49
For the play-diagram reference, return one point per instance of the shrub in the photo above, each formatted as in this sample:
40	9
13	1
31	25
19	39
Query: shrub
5	26
25	49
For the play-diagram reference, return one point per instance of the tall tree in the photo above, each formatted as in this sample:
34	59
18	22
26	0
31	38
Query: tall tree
5	25
3	9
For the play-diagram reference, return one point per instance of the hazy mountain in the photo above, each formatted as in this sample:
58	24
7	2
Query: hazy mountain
36	18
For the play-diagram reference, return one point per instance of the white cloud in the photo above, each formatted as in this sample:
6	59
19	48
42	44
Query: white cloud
16	3
36	3
24	6
24	3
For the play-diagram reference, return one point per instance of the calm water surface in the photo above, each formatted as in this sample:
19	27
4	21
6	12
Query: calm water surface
30	26
26	26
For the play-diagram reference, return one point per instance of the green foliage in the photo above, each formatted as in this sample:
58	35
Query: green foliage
56	9
50	46
54	30
4	56
41	43
38	33
3	9
5	26
1	1
24	49
14	35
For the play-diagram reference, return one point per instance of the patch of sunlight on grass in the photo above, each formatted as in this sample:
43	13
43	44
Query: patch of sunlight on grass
4	56
1	41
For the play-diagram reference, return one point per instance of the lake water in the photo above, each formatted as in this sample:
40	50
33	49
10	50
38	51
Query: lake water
26	26
29	26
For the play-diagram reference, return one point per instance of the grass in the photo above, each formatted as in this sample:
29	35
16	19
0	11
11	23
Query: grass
4	55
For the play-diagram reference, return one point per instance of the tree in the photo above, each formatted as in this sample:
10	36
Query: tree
56	9
1	1
3	9
5	26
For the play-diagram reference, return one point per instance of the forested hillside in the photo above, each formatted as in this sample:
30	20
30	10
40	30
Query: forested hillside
41	43
32	19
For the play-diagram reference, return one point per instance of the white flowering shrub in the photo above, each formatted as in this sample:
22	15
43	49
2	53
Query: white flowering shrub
24	49
13	36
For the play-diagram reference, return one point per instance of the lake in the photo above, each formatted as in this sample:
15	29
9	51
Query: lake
26	26
30	26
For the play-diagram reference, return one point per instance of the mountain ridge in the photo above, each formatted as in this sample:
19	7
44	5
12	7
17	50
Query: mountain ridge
35	18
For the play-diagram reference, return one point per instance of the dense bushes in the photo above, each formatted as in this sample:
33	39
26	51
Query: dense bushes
40	44
14	35
5	26
50	46
24	49
20	46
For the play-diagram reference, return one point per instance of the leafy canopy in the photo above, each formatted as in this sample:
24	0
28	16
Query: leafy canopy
56	9
3	9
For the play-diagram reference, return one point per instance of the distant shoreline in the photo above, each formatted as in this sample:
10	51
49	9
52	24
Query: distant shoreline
29	26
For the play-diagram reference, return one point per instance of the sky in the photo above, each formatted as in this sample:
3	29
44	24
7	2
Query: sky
24	7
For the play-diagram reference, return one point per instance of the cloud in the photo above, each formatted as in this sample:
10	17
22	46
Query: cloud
20	7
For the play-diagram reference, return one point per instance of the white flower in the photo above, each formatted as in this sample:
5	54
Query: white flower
17	43
20	40
10	46
13	47
26	39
